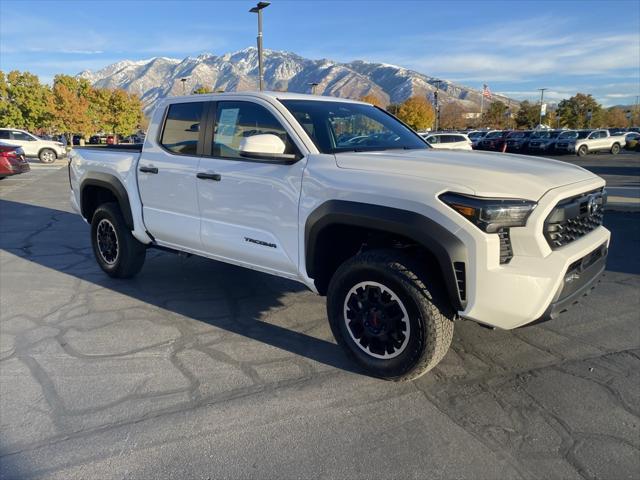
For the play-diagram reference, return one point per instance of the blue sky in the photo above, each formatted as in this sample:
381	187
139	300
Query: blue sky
515	47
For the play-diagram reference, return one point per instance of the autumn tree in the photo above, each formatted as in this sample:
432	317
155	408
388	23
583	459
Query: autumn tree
124	113
372	99
452	116
416	112
614	117
201	90
574	112
70	106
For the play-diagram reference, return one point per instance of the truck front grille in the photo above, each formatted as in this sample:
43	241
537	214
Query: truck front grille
575	217
506	252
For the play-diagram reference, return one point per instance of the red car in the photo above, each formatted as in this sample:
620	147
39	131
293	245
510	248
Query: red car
12	160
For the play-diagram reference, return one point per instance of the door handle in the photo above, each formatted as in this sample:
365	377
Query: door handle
209	176
149	169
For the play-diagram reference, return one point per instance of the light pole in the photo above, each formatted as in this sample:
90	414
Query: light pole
258	9
541	99
313	86
184	86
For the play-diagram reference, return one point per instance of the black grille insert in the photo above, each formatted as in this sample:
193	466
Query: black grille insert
461	279
506	252
574	217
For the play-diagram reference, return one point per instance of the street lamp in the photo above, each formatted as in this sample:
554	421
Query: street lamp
435	98
184	86
313	86
541	99
258	9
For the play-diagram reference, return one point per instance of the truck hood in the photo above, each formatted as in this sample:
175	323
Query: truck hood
485	173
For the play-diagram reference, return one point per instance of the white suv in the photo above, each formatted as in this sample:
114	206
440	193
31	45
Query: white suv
46	150
448	141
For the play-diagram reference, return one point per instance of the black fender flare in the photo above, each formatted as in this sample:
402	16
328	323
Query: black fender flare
447	248
111	183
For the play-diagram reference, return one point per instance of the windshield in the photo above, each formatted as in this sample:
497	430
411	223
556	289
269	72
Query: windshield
519	134
584	133
568	135
351	127
474	135
494	135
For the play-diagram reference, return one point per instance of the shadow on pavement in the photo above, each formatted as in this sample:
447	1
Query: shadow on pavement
227	297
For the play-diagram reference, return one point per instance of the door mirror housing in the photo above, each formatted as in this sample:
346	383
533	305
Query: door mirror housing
265	146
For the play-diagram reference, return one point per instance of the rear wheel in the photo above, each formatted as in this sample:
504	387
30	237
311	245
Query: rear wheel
394	322
582	151
47	156
117	251
615	149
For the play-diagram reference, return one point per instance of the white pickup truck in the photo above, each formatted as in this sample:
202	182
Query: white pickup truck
584	142
403	240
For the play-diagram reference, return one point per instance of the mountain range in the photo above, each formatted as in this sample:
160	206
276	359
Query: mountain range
160	77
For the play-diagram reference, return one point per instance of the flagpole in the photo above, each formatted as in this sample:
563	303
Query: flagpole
481	105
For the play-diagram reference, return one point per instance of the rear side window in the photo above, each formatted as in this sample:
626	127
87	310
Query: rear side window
238	120
4	135
182	128
22	136
433	139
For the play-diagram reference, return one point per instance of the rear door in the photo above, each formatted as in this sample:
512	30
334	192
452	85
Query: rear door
249	207
167	177
28	143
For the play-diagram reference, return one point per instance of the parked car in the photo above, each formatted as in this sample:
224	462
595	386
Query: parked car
449	141
631	140
47	151
567	143
400	237
543	141
494	140
13	161
599	141
95	140
475	136
518	141
112	139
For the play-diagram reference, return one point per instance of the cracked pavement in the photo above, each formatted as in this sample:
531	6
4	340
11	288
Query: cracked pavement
197	369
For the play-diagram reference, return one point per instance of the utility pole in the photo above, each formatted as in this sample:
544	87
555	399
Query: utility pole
435	98
184	86
313	86
258	9
541	99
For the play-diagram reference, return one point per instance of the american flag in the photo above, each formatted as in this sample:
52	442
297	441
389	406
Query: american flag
486	92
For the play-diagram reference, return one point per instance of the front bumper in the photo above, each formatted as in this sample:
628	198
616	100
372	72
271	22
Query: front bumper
532	285
579	280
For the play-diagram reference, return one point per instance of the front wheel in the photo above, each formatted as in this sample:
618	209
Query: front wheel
615	149
117	251
47	156
582	151
388	315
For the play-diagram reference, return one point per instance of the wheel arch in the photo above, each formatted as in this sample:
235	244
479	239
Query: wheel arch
440	243
42	149
100	188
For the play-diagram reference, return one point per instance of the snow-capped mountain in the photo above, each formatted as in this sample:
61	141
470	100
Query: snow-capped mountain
159	77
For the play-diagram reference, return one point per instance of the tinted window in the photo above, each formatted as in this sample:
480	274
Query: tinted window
22	136
433	139
343	127
238	120
5	135
182	128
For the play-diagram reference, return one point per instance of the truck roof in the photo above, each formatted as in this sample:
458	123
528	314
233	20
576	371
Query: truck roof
265	95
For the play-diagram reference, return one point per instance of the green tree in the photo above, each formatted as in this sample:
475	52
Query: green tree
24	102
528	115
202	89
416	112
124	113
495	116
574	112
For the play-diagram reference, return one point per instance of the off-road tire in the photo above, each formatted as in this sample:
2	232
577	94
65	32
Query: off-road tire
583	151
130	253
420	290
46	155
615	149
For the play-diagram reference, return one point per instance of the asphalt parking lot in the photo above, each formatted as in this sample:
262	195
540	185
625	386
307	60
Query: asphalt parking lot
197	369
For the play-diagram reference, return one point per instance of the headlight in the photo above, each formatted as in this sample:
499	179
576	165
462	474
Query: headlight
490	214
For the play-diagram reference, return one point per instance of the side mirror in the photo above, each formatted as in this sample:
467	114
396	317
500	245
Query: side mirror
265	146
193	128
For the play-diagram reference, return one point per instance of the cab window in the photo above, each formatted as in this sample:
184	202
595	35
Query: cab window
238	120
182	128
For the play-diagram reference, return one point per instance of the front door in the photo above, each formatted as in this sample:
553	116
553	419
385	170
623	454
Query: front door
249	207
167	178
28	143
